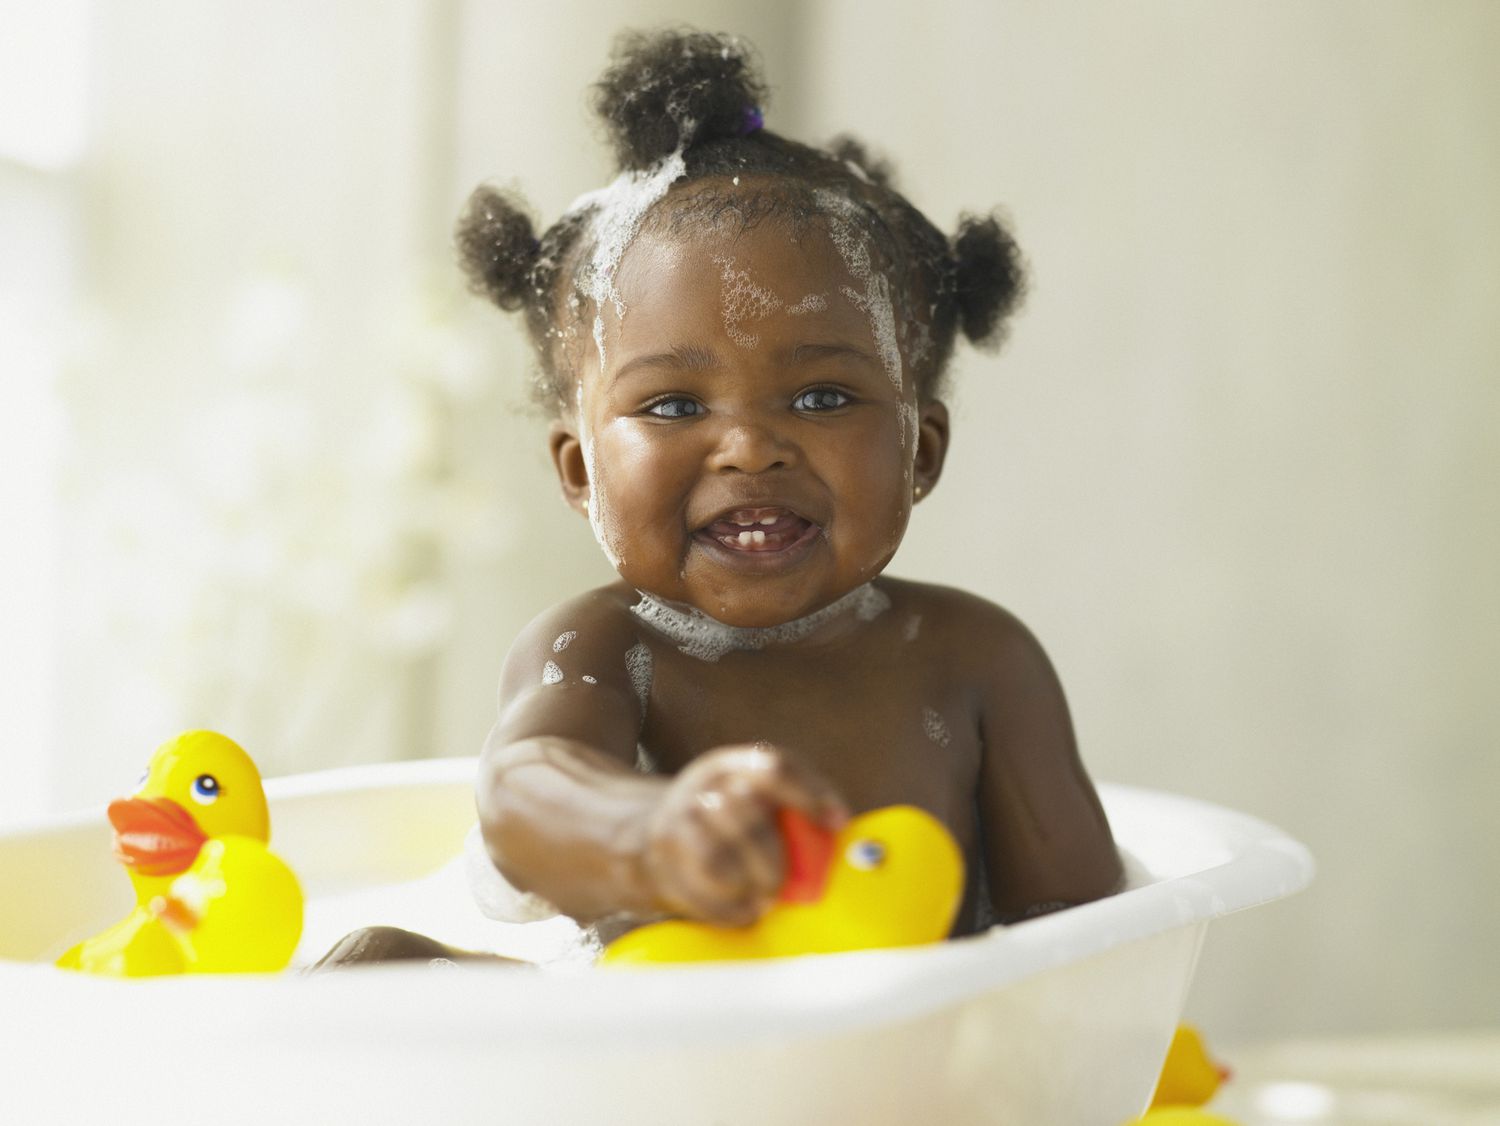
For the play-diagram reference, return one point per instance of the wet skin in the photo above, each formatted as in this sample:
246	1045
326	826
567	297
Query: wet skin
690	427
759	482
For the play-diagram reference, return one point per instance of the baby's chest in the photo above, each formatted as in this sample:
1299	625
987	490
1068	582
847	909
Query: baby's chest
882	733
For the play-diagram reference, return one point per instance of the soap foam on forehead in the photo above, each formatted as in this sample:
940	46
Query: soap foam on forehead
812	303
698	635
744	300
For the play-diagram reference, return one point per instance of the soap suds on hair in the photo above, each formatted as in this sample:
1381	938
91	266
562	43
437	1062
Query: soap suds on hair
563	640
874	298
551	674
912	627
856	171
638	667
744	300
918	338
616	213
618	210
698	635
588	680
936	729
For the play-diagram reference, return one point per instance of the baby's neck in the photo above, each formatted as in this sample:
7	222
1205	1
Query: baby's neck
708	639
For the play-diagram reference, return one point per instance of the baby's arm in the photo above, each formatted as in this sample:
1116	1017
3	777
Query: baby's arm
1046	839
564	814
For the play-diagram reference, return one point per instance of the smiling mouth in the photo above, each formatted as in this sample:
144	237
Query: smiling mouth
757	531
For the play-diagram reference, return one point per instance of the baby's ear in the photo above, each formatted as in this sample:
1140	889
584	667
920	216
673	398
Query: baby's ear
572	468
932	446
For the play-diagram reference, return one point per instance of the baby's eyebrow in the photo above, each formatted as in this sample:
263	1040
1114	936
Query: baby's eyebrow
807	353
680	357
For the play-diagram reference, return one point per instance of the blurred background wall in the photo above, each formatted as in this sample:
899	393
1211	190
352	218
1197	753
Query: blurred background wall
267	468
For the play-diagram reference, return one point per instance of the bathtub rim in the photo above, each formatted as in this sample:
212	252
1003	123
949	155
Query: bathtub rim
718	1003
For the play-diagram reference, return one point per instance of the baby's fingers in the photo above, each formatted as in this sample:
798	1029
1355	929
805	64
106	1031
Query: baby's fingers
754	845
784	781
702	874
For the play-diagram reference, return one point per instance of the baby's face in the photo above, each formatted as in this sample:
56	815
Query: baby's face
749	446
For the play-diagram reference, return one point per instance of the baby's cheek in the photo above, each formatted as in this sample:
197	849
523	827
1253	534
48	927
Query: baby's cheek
644	498
886	488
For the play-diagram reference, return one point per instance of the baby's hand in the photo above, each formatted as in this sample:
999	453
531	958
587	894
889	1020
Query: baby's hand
712	850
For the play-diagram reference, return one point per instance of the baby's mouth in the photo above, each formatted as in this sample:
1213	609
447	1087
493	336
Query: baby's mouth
758	529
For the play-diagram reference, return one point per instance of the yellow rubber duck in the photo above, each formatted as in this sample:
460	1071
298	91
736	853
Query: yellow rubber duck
892	877
1189	1077
210	896
1179	1116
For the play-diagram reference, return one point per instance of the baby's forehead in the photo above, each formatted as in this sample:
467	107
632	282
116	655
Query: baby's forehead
781	252
752	258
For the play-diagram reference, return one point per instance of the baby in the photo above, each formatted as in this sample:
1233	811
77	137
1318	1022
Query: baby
742	344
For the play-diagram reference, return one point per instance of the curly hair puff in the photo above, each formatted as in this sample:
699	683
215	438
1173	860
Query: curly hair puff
699	97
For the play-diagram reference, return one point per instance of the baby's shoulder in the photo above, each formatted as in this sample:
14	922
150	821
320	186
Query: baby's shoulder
597	622
948	608
965	626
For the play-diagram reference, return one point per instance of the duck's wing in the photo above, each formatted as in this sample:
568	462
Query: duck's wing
137	946
243	907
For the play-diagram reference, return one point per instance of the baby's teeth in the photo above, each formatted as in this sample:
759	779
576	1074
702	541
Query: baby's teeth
770	519
746	538
759	536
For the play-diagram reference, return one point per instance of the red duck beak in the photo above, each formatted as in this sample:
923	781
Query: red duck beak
154	836
809	857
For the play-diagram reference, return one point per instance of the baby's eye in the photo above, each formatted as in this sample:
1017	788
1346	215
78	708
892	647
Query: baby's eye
820	399
675	408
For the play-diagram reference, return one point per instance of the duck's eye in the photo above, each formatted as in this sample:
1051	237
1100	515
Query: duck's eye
141	781
676	408
205	789
820	399
866	855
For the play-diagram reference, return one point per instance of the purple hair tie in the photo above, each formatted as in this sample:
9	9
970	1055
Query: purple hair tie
754	120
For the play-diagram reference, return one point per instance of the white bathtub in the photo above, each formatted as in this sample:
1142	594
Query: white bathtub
1061	1021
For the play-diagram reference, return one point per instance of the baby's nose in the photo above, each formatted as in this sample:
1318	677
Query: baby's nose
751	446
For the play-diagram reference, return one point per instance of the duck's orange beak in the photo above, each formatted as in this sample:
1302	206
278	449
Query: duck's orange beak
809	856
154	836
